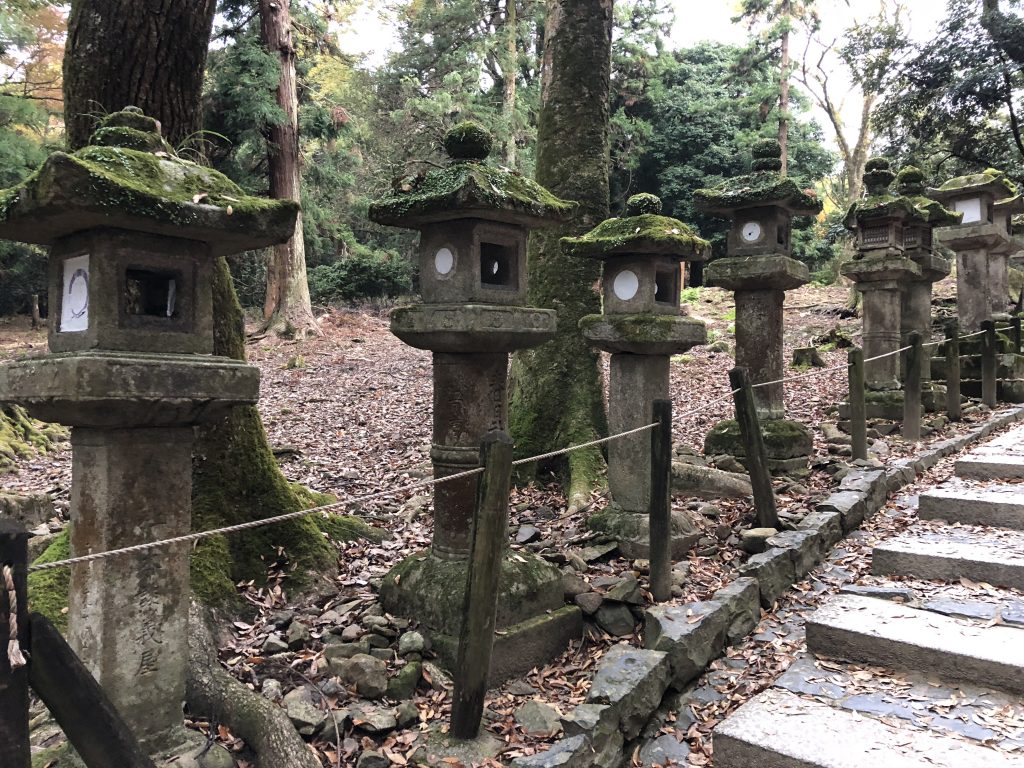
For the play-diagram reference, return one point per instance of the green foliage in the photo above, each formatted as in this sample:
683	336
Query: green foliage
690	295
365	274
22	273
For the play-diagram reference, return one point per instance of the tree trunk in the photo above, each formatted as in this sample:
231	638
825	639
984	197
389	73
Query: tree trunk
784	92
287	310
556	396
144	53
510	68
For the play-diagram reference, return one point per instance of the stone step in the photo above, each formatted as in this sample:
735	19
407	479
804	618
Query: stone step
998	505
1007	367
879	632
777	729
999	459
1007	390
994	556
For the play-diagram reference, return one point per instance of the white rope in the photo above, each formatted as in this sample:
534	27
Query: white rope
887	354
14	655
808	375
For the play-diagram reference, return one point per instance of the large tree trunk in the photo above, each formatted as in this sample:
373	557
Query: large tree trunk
784	93
556	396
121	53
509	69
287	310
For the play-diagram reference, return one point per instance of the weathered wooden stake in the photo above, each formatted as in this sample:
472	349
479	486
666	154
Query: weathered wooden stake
14	745
661	501
37	319
1015	330
953	370
858	412
753	441
912	391
476	638
77	702
988	363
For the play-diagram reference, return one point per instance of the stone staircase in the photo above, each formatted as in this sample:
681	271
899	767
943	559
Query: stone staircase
931	676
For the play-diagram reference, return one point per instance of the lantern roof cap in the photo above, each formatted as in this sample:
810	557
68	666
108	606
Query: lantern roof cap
639	233
910	184
469	187
759	189
129	178
879	202
990	181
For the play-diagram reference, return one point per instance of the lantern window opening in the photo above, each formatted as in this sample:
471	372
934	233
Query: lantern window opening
151	293
989	208
875	235
782	235
666	286
498	266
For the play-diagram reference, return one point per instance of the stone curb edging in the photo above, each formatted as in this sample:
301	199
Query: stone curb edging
680	641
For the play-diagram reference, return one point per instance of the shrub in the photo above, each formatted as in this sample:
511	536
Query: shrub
22	273
365	274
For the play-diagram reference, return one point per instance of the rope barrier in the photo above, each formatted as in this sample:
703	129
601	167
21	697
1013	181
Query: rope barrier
15	657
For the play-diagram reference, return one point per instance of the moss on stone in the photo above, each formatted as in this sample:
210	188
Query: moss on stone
991	179
636	328
21	436
129	138
635	235
466	186
760	188
131	117
468	141
766	148
48	590
783	439
643	202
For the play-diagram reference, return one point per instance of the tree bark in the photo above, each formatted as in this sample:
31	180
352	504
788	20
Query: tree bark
510	67
556	397
287	310
140	53
784	90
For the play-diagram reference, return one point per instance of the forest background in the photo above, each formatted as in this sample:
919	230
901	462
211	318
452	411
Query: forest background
378	82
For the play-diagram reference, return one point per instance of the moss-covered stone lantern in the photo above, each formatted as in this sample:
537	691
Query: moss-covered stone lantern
880	269
916	300
133	232
982	241
759	270
641	327
473	219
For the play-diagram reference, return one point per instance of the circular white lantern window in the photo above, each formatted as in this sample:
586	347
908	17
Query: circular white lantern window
625	285
751	231
444	261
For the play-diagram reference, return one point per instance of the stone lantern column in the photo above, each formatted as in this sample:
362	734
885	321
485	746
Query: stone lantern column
759	270
916	311
881	269
131	370
473	220
982	241
641	327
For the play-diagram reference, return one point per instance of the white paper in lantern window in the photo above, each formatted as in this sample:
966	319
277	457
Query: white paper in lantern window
971	209
74	305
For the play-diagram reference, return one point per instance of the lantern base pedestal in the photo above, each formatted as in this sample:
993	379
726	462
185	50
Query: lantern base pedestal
787	443
533	623
472	328
632	531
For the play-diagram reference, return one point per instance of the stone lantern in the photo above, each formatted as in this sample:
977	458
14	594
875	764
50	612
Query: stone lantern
759	270
641	327
916	309
473	219
133	232
982	241
881	269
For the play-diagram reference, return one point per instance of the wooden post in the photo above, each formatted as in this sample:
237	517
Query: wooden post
476	638
953	370
661	502
858	411
37	320
1015	330
753	442
912	391
988	363
14	746
81	708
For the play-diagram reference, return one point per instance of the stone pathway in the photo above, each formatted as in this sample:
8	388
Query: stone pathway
923	668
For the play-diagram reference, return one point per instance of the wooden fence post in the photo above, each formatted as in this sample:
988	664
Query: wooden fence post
858	412
988	363
476	638
953	370
14	745
1015	330
753	442
661	502
912	390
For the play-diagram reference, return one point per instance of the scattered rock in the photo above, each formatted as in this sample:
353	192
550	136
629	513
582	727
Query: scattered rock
368	674
411	642
303	713
573	585
373	720
615	619
407	714
538	719
521	688
626	590
271	688
372	759
273	645
754	540
297	636
351	633
436	677
403	685
527	533
589	602
632	681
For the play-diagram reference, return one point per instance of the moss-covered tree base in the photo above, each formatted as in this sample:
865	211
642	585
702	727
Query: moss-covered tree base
22	436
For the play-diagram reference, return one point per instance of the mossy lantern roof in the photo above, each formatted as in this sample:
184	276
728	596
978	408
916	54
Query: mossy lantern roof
990	181
910	184
129	178
469	187
879	202
643	231
763	187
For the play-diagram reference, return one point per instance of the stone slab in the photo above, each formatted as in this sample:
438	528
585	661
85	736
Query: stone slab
883	633
996	558
1000	505
777	729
